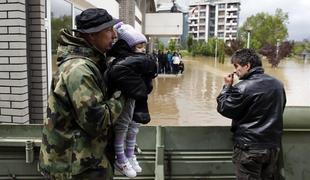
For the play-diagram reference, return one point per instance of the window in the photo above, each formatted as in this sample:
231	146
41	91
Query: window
221	13
61	17
77	11
220	27
221	6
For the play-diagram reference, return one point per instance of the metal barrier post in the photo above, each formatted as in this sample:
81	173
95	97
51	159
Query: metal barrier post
29	152
160	155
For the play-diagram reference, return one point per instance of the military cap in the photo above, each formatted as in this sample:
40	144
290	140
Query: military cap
94	20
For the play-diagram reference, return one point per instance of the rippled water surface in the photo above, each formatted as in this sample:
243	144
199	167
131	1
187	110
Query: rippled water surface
189	99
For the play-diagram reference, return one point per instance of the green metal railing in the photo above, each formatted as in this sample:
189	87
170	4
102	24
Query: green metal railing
169	152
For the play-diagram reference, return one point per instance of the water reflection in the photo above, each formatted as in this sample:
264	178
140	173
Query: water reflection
189	99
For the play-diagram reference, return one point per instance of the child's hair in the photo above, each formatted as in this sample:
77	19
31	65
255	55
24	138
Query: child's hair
129	34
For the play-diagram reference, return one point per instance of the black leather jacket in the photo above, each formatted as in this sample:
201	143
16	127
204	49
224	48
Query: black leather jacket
256	106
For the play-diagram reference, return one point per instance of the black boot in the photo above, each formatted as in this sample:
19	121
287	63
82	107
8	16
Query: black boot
141	113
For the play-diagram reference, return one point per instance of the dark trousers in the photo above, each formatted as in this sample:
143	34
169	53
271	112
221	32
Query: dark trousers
256	164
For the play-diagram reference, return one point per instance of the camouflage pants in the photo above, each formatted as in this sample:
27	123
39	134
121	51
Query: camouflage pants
256	164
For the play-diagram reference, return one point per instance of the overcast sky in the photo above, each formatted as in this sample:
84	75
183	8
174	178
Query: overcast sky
298	11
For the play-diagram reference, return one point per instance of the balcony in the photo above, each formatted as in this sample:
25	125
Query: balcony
231	30
193	24
221	7
232	16
192	17
232	9
221	36
221	14
193	31
231	23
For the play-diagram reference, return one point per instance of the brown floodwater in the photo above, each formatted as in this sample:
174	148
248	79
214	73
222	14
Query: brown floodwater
190	99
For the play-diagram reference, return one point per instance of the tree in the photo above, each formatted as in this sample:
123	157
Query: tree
189	43
161	46
158	44
234	46
221	53
270	51
204	48
266	28
172	45
210	46
299	47
57	24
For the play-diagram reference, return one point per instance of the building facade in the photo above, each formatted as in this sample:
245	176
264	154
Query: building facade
214	19
168	10
28	43
133	12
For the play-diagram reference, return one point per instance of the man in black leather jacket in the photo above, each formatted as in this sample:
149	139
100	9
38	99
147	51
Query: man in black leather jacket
255	105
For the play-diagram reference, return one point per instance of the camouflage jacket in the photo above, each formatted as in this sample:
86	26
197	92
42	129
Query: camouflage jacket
77	130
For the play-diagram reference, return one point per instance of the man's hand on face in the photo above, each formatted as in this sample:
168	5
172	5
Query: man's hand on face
229	79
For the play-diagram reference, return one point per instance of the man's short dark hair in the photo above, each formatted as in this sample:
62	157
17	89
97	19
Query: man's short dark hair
245	56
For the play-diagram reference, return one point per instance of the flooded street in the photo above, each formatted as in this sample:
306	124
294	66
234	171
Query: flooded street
190	99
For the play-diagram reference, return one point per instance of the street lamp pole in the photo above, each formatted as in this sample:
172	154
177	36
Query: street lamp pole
277	51
248	29
248	40
215	53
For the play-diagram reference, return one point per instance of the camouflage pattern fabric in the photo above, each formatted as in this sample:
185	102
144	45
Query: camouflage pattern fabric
80	116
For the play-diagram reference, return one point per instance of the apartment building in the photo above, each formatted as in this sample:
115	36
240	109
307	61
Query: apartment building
214	18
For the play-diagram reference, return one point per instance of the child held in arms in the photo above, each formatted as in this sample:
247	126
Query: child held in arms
131	71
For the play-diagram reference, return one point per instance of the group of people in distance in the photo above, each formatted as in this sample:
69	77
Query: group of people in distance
170	63
98	100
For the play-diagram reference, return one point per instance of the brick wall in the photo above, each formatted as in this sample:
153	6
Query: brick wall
14	93
23	85
127	11
37	60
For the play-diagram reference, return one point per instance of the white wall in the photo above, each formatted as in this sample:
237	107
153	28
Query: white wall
138	14
164	24
138	26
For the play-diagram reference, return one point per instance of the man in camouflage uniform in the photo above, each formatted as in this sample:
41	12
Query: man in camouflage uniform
77	131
